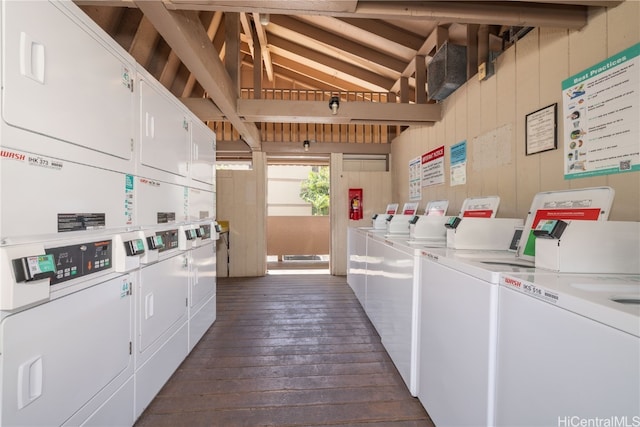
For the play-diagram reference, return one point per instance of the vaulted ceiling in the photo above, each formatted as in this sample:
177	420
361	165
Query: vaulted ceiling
203	51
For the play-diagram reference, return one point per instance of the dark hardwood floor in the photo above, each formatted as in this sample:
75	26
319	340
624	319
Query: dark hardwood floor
287	350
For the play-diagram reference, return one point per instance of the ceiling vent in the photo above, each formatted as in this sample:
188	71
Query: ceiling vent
447	71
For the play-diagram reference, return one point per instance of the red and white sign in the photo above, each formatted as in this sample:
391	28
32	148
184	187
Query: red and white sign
433	167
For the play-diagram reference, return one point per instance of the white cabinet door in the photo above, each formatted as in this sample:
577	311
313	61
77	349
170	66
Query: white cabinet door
203	274
57	356
60	79
162	300
160	202
203	155
202	204
164	139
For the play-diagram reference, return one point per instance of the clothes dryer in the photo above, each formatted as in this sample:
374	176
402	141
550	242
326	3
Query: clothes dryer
79	315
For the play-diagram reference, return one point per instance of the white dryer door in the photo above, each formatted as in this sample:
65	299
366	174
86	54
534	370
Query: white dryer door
57	356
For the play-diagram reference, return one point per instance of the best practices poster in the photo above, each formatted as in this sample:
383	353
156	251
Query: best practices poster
601	115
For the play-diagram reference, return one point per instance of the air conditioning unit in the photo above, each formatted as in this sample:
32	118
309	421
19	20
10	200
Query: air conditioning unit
447	71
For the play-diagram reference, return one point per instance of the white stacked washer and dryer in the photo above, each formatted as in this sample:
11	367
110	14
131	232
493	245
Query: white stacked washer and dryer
101	173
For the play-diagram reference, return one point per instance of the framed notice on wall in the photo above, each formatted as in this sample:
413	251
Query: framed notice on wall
542	130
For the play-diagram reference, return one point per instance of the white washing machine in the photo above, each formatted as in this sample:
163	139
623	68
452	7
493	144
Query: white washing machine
392	285
460	304
568	350
357	261
457	339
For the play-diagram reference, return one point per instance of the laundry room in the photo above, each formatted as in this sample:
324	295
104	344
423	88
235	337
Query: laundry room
474	166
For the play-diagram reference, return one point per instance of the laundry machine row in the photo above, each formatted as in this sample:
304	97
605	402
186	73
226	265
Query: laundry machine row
132	303
107	227
464	326
112	149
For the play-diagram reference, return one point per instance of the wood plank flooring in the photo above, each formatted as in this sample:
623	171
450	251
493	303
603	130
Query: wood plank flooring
287	350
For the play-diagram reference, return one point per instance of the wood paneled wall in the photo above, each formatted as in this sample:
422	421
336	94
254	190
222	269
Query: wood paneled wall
528	77
376	191
242	200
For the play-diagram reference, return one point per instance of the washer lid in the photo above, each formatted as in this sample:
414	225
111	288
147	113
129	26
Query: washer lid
612	300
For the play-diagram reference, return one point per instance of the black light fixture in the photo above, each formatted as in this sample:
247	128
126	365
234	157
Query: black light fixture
306	144
334	104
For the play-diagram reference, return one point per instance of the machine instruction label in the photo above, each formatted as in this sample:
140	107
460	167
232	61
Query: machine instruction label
80	221
128	199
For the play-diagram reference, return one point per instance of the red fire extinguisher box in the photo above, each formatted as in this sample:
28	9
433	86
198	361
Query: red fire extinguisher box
355	203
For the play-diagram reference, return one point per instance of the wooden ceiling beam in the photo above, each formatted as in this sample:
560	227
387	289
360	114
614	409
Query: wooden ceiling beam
187	37
285	111
237	149
290	7
325	81
144	42
339	43
264	47
386	31
283	148
514	13
330	64
570	14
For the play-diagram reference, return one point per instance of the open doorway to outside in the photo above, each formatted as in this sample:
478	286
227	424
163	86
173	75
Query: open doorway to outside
298	228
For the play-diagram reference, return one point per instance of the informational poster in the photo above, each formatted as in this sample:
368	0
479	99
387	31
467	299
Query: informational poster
601	116
415	188
458	168
433	167
541	130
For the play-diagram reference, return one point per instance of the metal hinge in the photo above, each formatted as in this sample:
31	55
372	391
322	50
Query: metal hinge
186	302
131	86
130	348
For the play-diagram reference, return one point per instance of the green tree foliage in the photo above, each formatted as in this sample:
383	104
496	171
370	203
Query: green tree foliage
315	190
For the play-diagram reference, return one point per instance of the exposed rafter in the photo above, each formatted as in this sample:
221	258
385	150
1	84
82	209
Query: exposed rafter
187	37
317	48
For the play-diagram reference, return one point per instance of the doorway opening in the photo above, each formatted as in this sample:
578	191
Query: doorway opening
298	228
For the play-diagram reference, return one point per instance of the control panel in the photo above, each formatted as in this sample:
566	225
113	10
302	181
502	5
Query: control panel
169	239
79	260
